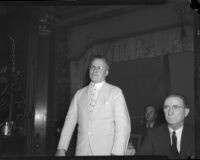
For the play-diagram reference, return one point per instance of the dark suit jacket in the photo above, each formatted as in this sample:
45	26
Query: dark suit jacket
142	130
157	142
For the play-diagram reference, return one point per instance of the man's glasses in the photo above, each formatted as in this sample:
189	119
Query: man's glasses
174	107
97	68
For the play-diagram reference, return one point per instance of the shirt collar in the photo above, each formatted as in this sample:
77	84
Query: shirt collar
150	124
97	85
178	131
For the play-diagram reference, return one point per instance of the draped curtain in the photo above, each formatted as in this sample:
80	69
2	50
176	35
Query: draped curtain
171	41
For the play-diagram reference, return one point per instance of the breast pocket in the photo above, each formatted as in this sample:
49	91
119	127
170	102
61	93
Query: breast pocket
106	110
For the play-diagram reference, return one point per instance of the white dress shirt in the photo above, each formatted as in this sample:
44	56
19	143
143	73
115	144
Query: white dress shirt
150	125
178	135
94	91
97	87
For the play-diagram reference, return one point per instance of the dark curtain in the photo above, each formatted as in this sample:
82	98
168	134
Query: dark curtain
143	81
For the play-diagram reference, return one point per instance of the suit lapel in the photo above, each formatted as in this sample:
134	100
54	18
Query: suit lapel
183	140
100	98
186	139
88	101
166	138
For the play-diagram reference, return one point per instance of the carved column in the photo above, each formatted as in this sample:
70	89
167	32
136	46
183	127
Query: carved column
31	81
45	27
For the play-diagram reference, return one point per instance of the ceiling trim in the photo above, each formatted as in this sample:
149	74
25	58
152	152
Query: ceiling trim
98	14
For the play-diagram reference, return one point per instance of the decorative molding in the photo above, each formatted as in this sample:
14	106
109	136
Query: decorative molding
100	13
46	23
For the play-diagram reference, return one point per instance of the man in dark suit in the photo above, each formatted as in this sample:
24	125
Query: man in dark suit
174	139
150	121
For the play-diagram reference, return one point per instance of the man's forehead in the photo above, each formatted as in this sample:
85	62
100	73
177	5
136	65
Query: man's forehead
99	62
150	108
174	100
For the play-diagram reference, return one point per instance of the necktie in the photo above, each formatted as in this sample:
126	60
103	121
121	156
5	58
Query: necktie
93	95
174	150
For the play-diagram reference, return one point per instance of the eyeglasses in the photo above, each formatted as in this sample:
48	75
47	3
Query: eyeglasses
97	68
174	107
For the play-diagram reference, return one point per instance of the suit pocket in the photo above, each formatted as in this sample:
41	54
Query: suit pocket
106	110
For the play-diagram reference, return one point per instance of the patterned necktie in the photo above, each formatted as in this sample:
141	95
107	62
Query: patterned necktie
93	96
174	150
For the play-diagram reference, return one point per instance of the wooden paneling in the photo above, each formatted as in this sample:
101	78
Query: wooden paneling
197	82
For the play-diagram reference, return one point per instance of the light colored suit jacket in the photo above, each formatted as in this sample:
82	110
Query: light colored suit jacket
106	130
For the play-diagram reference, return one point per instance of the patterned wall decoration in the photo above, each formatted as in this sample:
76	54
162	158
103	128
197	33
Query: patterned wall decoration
13	72
12	100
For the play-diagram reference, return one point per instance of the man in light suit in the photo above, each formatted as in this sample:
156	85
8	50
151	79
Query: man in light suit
174	139
101	113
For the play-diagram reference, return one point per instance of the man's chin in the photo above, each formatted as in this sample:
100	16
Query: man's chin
172	123
95	81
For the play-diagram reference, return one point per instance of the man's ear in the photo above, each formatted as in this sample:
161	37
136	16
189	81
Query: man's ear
107	72
187	111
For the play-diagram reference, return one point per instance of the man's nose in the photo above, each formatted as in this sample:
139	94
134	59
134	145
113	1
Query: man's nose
170	111
95	70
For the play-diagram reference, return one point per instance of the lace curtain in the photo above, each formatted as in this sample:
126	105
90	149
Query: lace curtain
170	41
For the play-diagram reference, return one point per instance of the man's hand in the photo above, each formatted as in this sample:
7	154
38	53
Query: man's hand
60	152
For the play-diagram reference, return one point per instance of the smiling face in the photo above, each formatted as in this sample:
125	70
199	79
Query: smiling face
98	70
175	111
